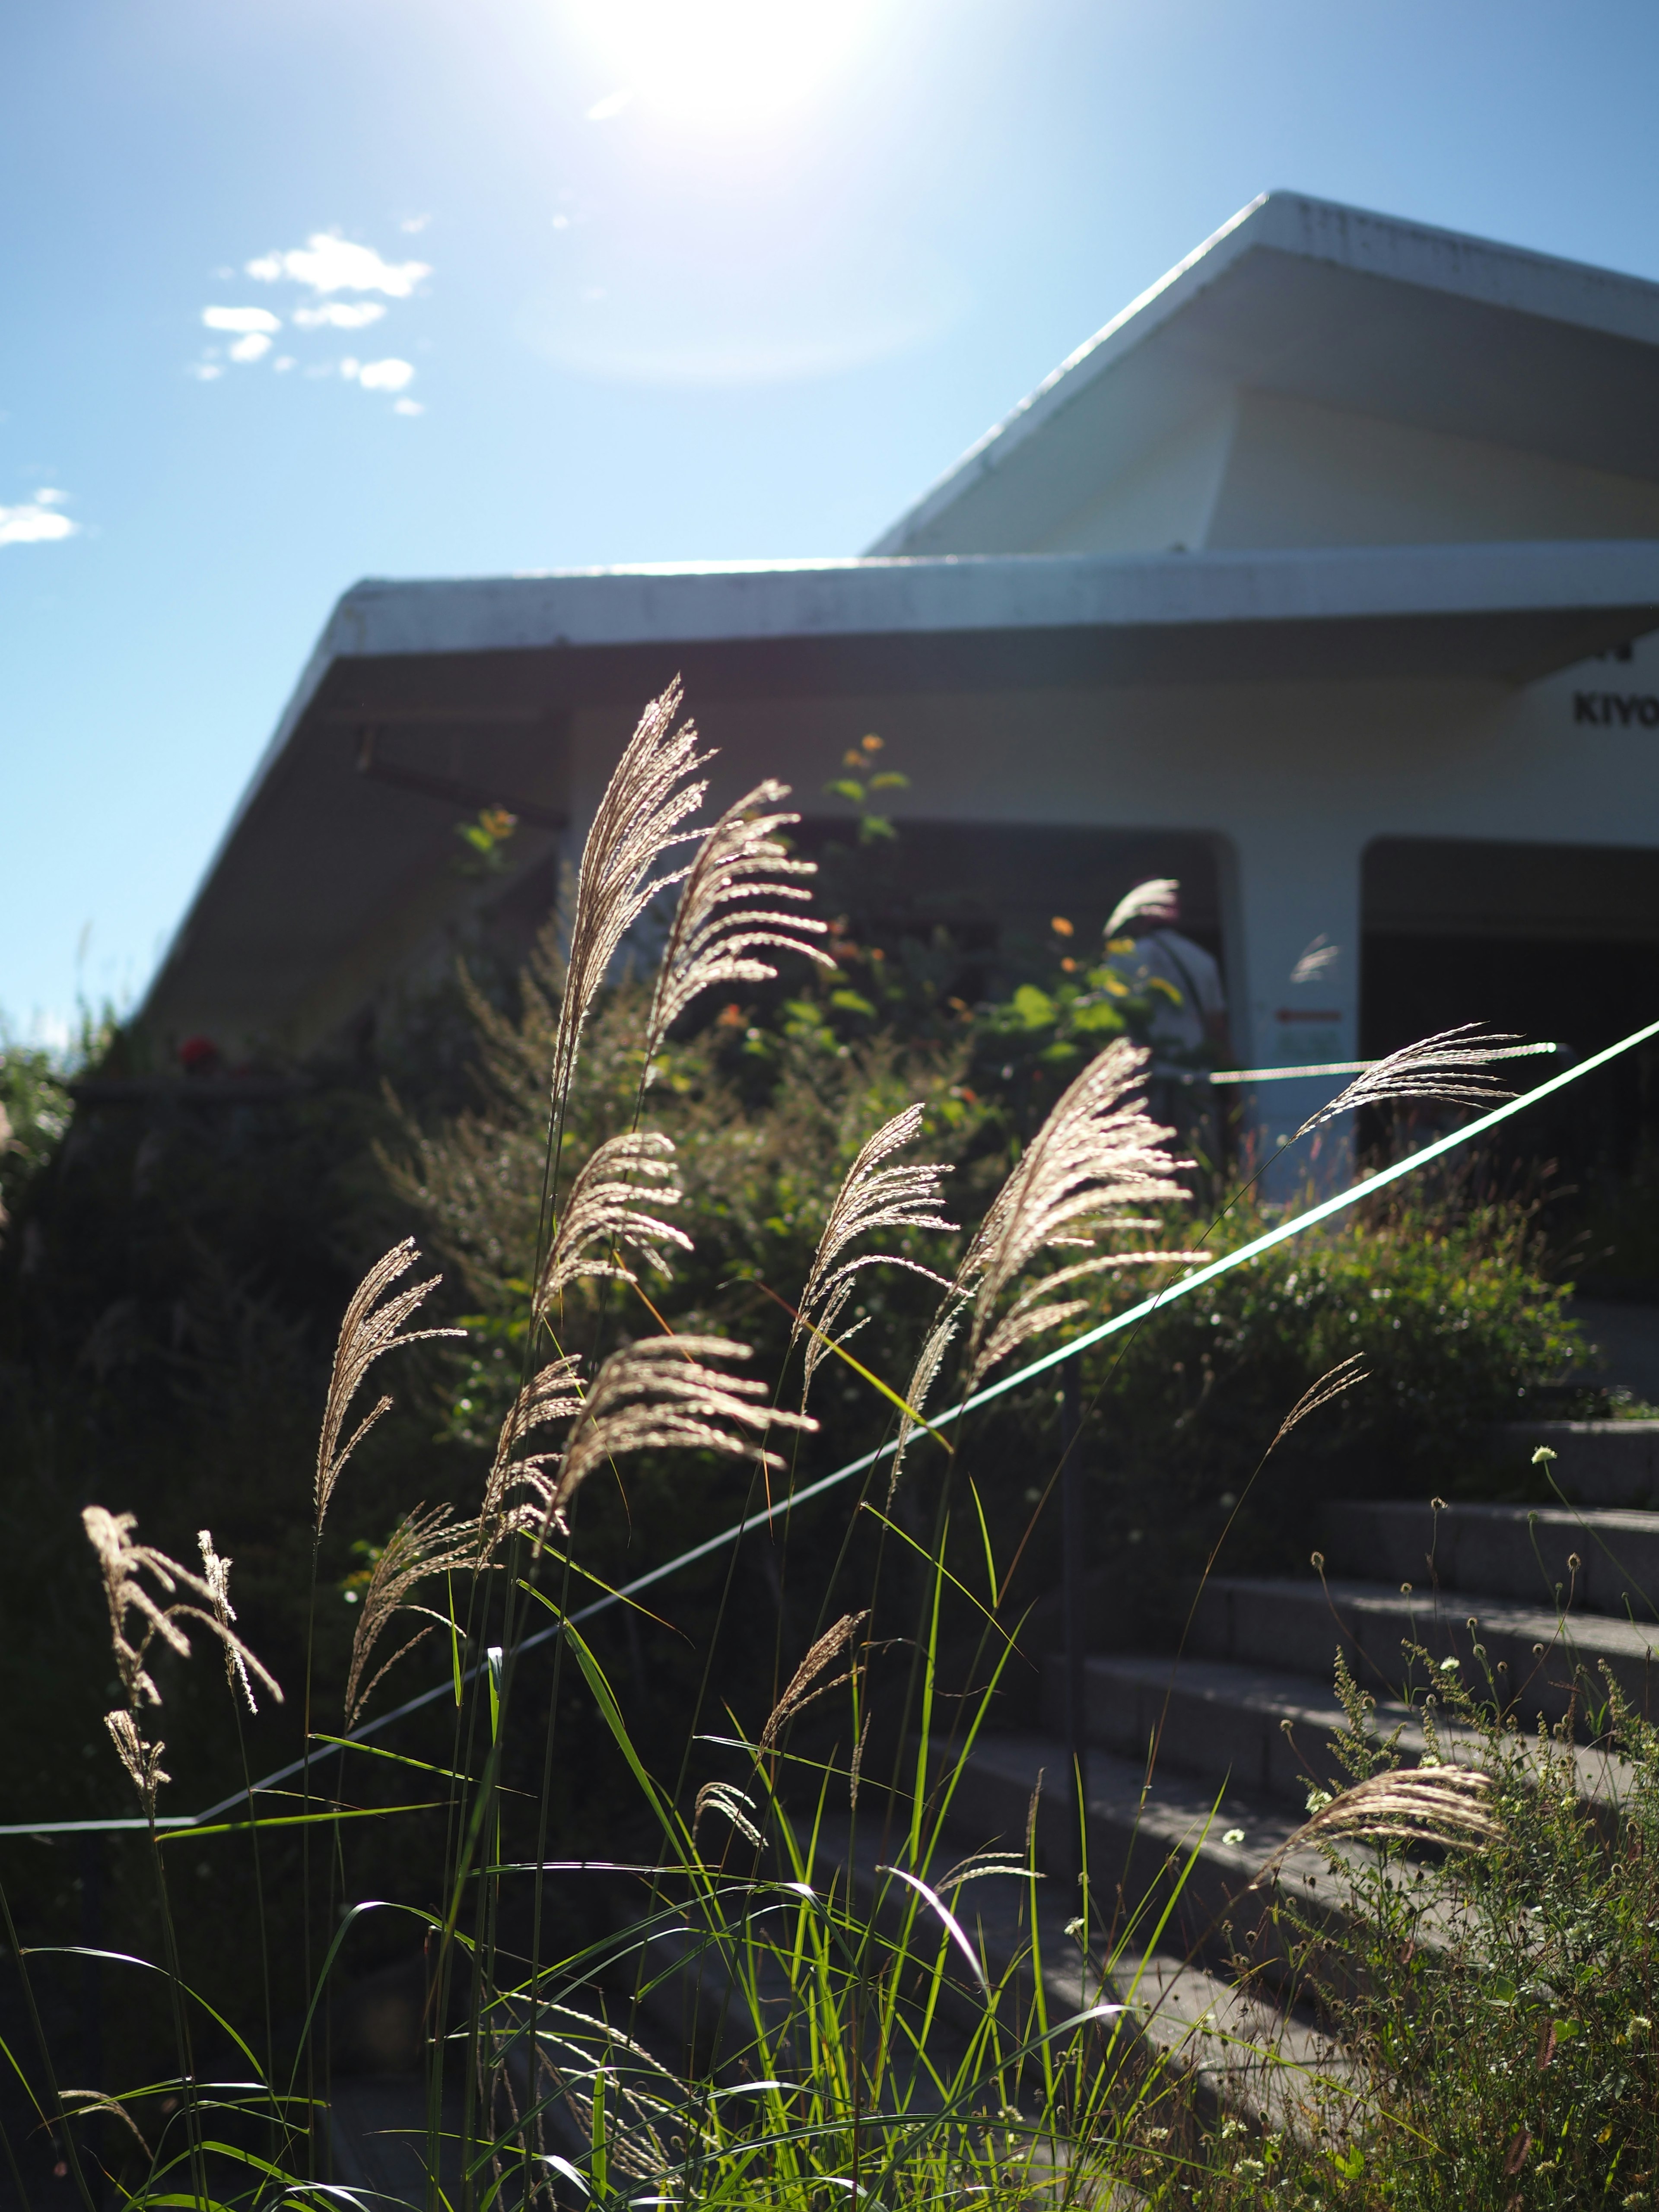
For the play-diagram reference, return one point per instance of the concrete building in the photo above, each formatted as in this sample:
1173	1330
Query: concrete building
1325	577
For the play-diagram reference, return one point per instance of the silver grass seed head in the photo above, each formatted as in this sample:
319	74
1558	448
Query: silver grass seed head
637	822
661	1393
871	1196
607	1207
1156	900
1097	1156
184	1596
424	1543
373	1325
717	929
1451	1066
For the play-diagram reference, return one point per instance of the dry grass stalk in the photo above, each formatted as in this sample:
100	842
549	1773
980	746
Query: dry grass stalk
1332	1384
370	1327
922	1378
121	1562
603	1207
714	936
1445	1807
215	1572
801	1690
141	1758
1448	1065
638	821
733	1804
660	1396
552	1395
1154	901
1095	1155
423	1544
870	1197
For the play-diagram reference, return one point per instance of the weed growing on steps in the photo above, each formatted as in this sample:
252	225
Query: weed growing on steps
856	2019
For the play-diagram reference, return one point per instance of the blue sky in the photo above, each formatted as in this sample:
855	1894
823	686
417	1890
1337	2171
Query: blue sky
561	282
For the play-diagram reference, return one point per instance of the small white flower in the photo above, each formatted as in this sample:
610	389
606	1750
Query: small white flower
1449	1666
1318	1800
1234	1836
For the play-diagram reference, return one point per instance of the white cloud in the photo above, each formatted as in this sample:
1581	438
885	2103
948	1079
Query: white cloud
36	521
47	497
328	263
251	319
407	407
385	375
339	315
415	224
204	370
253	346
283	363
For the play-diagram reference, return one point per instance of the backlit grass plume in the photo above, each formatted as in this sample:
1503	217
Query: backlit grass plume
1449	1066
660	1394
374	1324
806	1683
184	1596
922	1378
638	822
605	1209
425	1542
870	1197
1154	901
215	1573
122	1563
552	1395
716	933
1447	1808
1096	1155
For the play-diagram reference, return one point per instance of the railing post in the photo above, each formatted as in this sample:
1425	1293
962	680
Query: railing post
1071	1521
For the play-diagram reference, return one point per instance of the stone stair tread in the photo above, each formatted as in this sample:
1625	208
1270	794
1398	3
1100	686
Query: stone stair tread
1174	1813
1222	1720
1239	2050
1590	1631
1518	1552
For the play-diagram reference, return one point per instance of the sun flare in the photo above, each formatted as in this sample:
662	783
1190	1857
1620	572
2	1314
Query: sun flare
718	60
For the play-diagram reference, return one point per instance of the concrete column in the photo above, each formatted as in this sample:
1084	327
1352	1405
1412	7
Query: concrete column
1291	917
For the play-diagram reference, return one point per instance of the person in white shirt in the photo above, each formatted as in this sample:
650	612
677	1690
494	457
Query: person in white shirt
1189	1021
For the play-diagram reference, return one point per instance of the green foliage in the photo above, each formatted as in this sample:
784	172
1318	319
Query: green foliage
34	1113
1497	2007
1453	1311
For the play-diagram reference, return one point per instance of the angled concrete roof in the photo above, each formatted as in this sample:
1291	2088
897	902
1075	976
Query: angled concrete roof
1328	304
325	870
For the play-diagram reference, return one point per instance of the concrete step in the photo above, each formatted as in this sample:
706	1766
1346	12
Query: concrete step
1170	1865
1257	1728
1599	1560
1210	1718
1595	1463
1545	1663
1184	2031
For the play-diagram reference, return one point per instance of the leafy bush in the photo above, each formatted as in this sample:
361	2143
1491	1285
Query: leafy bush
1497	2005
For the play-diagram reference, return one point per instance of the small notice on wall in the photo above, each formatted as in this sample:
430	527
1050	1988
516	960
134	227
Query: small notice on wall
1304	1036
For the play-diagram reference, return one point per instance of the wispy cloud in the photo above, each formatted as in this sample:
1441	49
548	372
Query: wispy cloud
390	375
339	315
255	321
325	265
37	521
328	263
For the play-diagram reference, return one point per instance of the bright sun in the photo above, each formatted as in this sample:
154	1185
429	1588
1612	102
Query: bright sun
718	60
